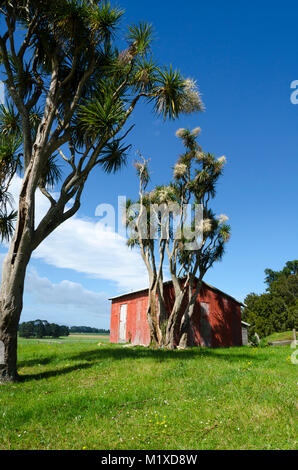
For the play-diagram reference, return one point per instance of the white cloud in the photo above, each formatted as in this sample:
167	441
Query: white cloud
67	303
70	295
86	246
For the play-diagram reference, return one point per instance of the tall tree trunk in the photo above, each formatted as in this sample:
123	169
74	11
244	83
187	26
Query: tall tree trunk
12	288
185	328
13	279
172	321
162	314
152	317
185	325
155	314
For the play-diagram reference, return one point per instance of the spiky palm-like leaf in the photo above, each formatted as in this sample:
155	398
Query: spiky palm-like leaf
10	160
104	20
168	93
70	20
145	74
7	225
132	243
114	156
9	120
6	200
52	172
140	36
101	113
35	118
23	79
225	232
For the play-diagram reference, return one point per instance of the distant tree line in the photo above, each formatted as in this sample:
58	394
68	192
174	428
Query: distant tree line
42	328
87	329
275	310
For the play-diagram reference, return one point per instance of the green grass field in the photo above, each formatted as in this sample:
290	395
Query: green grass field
285	335
81	395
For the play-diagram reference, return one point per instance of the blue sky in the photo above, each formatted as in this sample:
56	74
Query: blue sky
243	56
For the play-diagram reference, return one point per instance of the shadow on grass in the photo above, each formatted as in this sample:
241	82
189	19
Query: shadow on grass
34	362
159	355
94	356
54	373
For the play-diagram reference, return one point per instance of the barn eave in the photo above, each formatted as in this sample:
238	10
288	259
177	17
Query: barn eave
169	282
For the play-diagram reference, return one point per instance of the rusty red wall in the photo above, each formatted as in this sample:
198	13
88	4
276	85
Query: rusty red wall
224	317
137	328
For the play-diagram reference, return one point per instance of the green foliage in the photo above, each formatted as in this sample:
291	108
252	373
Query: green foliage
7	219
167	93
52	172
291	268
104	20
275	310
87	329
98	88
10	163
194	179
140	36
146	73
9	120
195	176
41	328
114	156
101	114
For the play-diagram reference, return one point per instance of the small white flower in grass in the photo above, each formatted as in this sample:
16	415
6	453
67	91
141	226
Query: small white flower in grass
196	131
222	160
180	132
223	218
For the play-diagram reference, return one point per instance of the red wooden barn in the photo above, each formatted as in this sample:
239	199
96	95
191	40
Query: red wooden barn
216	321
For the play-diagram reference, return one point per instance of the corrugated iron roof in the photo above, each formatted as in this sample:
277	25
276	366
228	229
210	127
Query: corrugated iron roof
169	282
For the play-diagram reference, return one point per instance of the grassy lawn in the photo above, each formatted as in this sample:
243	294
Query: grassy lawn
78	395
285	335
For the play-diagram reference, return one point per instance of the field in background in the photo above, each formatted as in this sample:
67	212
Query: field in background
72	338
79	395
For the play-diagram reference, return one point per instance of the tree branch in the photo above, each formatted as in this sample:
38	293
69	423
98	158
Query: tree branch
48	195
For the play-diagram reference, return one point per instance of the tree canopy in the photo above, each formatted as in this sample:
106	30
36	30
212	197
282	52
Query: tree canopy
42	328
276	309
73	80
174	221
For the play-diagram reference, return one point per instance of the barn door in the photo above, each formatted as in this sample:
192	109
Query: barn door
205	327
122	323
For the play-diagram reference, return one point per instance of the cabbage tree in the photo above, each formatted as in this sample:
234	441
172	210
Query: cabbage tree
71	92
174	225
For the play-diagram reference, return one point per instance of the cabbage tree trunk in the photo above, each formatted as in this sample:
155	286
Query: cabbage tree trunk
172	321
152	317
185	324
13	278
